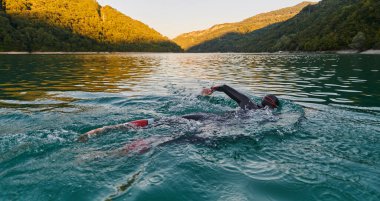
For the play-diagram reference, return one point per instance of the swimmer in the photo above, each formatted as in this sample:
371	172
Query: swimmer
269	101
242	100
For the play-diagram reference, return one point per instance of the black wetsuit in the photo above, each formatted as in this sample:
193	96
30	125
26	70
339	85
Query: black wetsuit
242	100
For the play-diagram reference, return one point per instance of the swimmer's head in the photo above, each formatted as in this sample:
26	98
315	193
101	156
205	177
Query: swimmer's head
271	101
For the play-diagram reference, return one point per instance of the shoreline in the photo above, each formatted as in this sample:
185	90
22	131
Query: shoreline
52	53
366	52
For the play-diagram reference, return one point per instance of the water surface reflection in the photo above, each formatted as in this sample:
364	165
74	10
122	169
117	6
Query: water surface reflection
326	79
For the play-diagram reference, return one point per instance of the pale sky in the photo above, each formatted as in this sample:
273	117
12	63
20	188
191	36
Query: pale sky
174	17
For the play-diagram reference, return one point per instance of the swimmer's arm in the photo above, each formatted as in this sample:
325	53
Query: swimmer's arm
99	131
232	93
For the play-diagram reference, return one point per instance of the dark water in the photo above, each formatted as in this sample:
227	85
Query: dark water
323	144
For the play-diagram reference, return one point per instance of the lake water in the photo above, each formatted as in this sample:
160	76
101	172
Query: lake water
322	144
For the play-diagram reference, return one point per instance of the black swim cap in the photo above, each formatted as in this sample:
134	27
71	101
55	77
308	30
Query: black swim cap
270	101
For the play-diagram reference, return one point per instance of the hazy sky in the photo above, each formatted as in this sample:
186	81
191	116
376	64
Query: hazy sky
173	17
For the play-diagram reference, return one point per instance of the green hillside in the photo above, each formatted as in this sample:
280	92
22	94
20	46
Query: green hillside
192	39
74	25
328	25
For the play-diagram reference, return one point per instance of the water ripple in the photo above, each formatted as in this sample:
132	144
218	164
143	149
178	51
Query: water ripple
322	144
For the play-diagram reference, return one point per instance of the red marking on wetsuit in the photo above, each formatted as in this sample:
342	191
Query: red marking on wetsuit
139	123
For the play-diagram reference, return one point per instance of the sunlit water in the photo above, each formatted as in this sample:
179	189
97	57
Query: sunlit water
323	144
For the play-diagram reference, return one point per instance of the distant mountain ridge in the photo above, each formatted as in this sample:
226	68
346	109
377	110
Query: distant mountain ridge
74	25
189	40
327	26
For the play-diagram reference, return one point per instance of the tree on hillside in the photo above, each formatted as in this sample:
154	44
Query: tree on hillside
2	5
359	41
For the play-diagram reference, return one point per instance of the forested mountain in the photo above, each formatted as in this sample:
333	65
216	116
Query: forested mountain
328	25
192	39
74	25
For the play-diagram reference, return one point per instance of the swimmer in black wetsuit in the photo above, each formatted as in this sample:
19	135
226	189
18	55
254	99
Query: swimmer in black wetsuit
242	100
141	145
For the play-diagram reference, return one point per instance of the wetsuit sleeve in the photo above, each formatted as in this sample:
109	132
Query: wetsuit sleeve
242	100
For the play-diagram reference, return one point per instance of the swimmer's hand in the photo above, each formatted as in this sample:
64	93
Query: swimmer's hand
207	92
